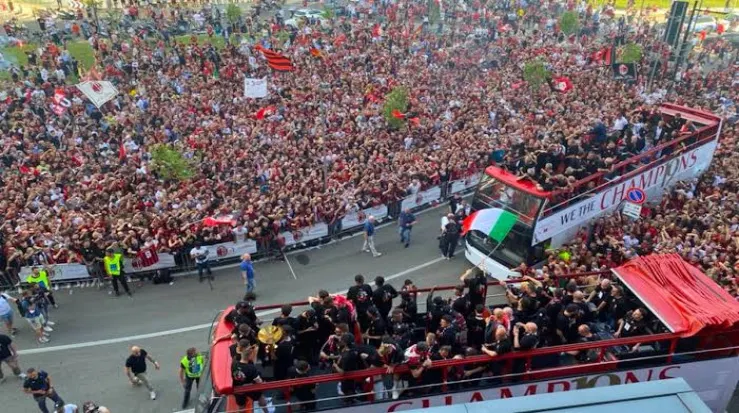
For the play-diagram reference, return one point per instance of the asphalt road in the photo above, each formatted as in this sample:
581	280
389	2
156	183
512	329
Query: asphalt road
94	330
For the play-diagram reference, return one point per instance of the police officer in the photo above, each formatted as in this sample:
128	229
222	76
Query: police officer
113	262
40	277
191	368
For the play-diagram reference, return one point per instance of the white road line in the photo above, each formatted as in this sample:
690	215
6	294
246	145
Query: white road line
191	328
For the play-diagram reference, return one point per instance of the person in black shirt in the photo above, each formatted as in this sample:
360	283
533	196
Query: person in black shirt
619	306
377	328
436	307
9	356
348	361
585	336
244	372
307	326
38	384
500	346
476	327
136	369
284	353
285	319
633	324
600	298
408	300
383	297
446	335
92	256
306	394
400	330
243	313
567	322
476	282
527	340
450	238
237	348
361	295
461	301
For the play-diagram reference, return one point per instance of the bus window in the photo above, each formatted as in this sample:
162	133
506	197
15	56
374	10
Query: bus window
494	194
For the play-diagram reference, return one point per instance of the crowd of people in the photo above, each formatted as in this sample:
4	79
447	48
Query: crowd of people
85	175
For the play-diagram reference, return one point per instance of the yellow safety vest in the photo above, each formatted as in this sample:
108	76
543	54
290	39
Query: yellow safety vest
41	279
113	264
193	367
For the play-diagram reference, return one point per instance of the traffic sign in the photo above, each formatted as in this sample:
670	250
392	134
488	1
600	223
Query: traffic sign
632	210
636	195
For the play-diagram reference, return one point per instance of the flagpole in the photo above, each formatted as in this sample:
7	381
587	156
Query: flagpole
287	261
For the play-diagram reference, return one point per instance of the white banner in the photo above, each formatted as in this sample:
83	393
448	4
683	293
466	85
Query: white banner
462	184
139	264
355	219
255	88
231	249
421	198
713	380
653	181
59	272
306	234
98	91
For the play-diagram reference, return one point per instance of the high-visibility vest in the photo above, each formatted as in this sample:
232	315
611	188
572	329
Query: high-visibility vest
41	278
113	264
193	367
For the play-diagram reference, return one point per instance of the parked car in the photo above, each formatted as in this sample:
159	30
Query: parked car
706	23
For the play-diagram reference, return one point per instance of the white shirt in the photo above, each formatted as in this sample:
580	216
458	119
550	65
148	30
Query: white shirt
200	254
620	123
5	307
70	408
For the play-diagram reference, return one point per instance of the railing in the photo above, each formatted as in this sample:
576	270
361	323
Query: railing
622	169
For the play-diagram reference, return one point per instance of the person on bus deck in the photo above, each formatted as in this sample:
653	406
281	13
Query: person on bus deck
567	322
331	350
585	336
243	313
244	372
383	297
471	373
284	353
476	327
307	326
461	301
237	348
586	311
600	297
436	307
240	332
284	319
360	294
306	394
376	330
418	360
400	329
499	346
348	361
632	325
446	334
476	282
391	356
525	336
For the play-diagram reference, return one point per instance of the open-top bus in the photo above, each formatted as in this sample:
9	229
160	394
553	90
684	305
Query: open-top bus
548	219
695	336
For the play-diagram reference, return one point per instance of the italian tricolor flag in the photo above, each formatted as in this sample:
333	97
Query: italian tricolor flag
495	222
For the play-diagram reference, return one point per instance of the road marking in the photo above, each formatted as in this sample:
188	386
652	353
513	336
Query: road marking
191	328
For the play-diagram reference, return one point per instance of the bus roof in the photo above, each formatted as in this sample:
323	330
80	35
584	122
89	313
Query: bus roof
679	294
510	179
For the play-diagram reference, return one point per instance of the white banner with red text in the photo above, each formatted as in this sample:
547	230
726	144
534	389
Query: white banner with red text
231	249
59	272
465	183
713	380
421	198
311	233
355	219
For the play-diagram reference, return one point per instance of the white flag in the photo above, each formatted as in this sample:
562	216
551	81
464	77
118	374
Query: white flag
98	91
255	88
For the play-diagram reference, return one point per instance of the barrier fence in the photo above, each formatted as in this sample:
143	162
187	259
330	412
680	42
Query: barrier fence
148	261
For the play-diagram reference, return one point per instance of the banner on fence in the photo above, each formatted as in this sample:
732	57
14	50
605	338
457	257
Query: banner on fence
59	272
355	219
465	183
147	260
306	234
231	249
421	198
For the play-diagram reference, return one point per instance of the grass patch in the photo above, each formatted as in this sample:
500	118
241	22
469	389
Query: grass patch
203	39
80	50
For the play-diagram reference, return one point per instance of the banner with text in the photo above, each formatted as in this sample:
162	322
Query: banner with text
59	272
713	380
466	183
355	219
421	198
654	181
306	234
231	249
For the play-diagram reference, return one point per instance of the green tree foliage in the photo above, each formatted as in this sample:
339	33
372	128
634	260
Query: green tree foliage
397	99
169	163
569	22
535	73
328	13
434	12
631	53
233	13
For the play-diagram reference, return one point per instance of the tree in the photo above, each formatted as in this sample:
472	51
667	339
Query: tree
631	53
536	74
328	13
169	163
233	14
434	12
397	99
569	23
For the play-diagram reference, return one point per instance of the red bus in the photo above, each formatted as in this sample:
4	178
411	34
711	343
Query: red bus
694	335
548	219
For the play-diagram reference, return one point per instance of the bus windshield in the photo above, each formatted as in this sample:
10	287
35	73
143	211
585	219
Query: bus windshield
513	251
493	193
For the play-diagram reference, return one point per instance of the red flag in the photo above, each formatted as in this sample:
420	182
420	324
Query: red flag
561	84
608	55
264	112
216	221
121	152
397	115
376	30
276	61
339	40
415	121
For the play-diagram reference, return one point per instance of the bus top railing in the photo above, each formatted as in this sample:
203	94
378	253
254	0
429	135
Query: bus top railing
705	133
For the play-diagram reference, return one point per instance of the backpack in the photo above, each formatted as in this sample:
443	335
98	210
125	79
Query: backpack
162	276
